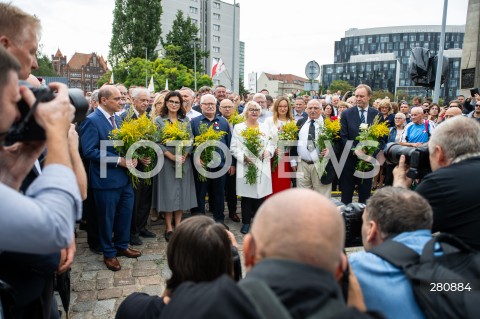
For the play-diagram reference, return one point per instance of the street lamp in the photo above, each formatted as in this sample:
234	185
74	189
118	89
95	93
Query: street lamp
195	60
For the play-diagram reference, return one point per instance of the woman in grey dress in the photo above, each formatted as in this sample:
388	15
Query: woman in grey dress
173	195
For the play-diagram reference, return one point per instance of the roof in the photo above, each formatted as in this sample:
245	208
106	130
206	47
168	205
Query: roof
289	78
59	53
81	59
354	32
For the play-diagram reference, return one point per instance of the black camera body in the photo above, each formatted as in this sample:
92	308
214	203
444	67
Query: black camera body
416	157
352	215
27	129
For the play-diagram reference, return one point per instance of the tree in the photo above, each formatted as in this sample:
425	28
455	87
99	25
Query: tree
241	87
134	72
45	67
340	85
178	44
136	30
381	95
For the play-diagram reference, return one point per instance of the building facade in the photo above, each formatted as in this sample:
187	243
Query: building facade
82	71
380	56
280	84
219	32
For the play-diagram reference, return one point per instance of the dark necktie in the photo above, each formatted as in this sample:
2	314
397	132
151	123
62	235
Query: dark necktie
311	131
362	116
112	120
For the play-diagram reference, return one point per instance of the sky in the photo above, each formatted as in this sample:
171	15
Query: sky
279	36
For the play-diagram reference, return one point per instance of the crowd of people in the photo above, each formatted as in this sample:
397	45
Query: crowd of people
290	224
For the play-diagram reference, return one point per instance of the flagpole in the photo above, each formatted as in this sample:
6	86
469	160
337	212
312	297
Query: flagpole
233	46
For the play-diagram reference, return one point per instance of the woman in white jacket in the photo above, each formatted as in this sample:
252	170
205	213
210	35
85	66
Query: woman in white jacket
252	195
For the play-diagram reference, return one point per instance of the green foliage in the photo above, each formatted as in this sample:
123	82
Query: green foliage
136	27
178	44
105	78
241	87
381	95
45	67
134	72
341	85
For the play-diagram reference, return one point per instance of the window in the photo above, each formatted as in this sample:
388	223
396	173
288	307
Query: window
353	68
216	38
384	38
216	16
412	38
392	66
421	37
456	64
329	70
193	10
216	5
405	38
216	27
369	40
339	69
361	40
216	49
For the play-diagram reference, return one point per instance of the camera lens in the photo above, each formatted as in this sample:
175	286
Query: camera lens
394	151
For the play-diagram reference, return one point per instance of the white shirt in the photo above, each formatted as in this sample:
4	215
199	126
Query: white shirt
364	113
302	150
107	116
193	114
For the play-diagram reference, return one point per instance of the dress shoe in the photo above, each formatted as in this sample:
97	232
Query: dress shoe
147	234
234	217
112	263
129	253
245	228
168	235
135	240
221	222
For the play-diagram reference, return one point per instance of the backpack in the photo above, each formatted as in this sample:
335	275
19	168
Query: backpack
445	286
268	306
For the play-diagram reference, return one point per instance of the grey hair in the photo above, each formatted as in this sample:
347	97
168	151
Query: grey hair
397	210
137	91
189	90
403	115
94	96
205	96
458	136
259	95
416	108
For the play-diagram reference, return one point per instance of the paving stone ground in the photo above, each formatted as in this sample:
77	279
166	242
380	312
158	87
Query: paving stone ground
97	292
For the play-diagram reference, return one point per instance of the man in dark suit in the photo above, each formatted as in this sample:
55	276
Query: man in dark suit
310	156
142	191
111	185
350	127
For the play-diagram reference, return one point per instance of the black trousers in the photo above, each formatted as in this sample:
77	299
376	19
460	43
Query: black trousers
249	208
348	183
231	193
141	206
91	217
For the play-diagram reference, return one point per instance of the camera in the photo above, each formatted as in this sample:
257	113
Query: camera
27	129
416	157
352	216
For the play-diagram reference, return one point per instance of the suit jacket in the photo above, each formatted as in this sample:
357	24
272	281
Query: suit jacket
326	178
94	129
350	126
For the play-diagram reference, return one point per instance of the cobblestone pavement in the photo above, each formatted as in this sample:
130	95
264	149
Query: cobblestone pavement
97	292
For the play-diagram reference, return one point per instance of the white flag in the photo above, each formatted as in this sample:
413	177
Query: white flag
151	87
166	85
218	68
111	79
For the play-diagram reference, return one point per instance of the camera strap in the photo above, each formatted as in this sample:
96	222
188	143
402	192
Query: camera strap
21	125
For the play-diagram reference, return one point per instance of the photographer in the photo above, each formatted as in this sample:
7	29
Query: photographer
52	203
452	187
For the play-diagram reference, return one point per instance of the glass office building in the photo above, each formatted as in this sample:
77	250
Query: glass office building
379	56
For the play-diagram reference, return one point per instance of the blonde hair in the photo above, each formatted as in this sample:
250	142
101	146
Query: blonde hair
159	98
14	23
248	105
275	109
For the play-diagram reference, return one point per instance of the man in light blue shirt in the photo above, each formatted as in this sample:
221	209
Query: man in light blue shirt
403	216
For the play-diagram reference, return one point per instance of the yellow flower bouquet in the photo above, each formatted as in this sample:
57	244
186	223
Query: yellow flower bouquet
329	132
134	131
235	119
252	141
207	134
177	131
287	133
368	141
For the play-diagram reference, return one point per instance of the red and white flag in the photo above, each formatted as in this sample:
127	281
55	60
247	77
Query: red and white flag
218	67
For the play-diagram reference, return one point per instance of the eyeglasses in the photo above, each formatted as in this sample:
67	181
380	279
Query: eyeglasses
253	110
209	104
399	118
477	105
173	102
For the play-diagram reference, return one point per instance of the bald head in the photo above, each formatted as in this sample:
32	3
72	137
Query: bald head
452	112
300	225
